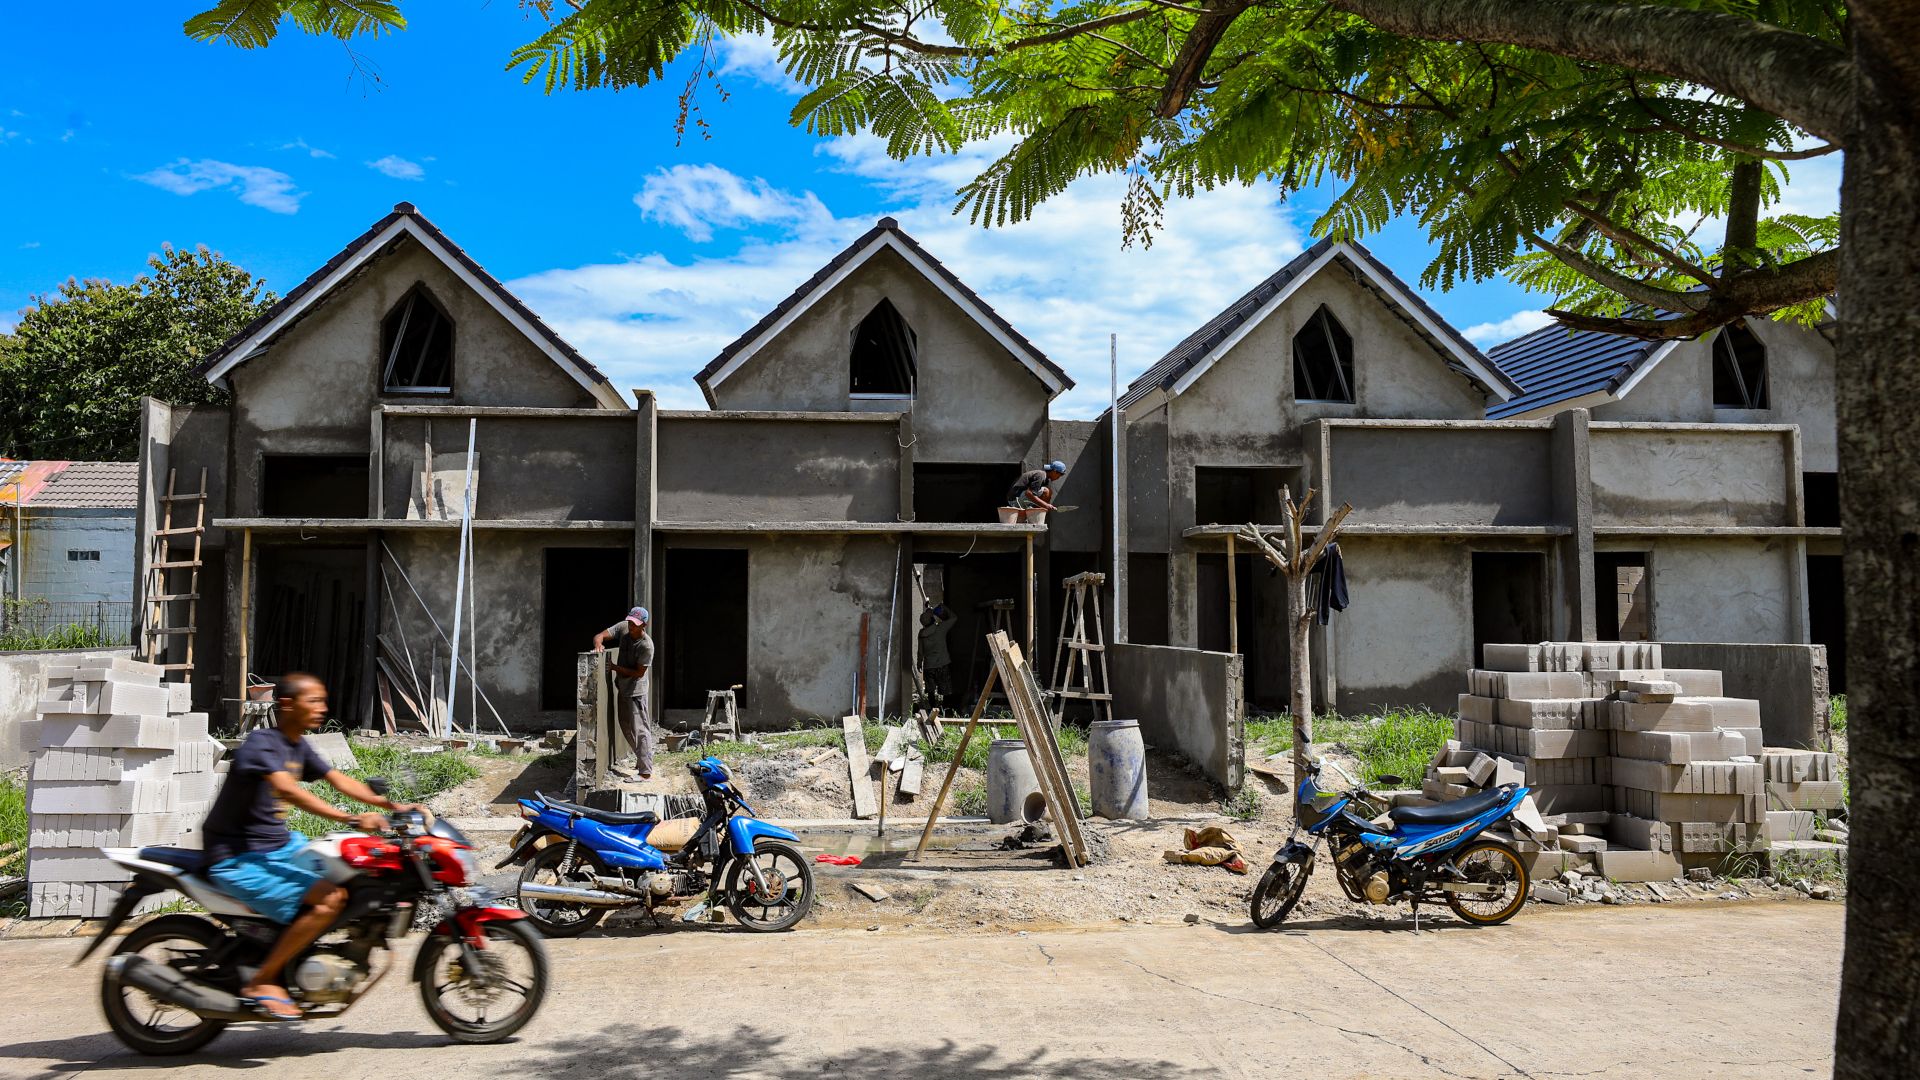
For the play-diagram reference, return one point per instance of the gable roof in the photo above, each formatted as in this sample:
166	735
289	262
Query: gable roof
1188	360
70	485
886	235
405	221
1561	368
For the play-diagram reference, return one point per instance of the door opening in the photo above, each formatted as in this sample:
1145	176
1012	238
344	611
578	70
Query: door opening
704	643
1623	594
1509	598
586	590
1827	616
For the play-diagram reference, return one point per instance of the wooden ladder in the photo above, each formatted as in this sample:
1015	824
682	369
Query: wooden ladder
1081	649
169	561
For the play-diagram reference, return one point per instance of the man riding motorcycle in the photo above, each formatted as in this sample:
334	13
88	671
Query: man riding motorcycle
249	849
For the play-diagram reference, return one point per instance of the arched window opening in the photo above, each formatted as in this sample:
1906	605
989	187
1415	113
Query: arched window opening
1323	360
416	346
882	363
1739	369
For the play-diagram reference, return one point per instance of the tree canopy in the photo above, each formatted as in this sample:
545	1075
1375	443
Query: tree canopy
1579	147
73	371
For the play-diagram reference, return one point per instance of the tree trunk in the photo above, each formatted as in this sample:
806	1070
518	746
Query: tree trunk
1299	620
1877	384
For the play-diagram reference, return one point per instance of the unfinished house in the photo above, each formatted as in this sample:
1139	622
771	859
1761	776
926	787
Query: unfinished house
1469	526
1756	372
66	548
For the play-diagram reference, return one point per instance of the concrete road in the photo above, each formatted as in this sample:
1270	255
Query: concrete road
1726	990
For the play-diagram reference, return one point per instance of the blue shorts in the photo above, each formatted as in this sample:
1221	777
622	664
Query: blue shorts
270	882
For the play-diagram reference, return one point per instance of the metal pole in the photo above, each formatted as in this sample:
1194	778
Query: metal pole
1116	506
246	597
460	578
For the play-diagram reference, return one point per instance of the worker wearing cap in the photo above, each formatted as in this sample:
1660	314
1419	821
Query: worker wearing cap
632	657
1034	489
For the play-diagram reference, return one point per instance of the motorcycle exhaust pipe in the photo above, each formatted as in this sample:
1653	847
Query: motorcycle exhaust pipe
170	986
561	894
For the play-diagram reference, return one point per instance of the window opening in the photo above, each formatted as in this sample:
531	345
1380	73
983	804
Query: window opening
76	555
1323	360
416	340
1739	369
882	362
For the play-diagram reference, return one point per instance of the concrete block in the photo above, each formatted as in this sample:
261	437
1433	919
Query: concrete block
118	669
1624	865
191	725
1672	806
1605	682
1676	747
1533	685
1811	795
1730	712
1542	714
195	787
1583	844
1717	838
1451	775
1476	708
1697	778
1557	772
1790	825
1798	766
1696	682
1505	772
1570	798
1751	739
1481	770
1793	858
100	764
1652	689
1533	744
96	797
102	830
72	864
1614	655
333	746
196	755
76	697
73	730
179	698
1511	657
1474	733
85	900
1673	716
127	699
1641	834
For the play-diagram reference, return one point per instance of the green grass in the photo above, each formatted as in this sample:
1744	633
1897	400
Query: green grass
1243	805
411	778
1397	742
70	636
13	830
970	799
1837	714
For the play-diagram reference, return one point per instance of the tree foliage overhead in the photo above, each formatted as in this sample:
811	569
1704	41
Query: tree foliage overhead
1576	173
73	371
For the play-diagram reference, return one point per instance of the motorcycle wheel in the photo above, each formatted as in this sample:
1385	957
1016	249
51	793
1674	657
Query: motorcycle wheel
1489	862
556	919
461	1002
789	889
1279	890
154	1027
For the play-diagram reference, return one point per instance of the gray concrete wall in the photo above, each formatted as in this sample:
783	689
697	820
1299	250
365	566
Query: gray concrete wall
974	401
1086	486
1407	636
1799	387
1475	474
541	468
1720	588
313	392
1187	701
1692	476
751	468
23	675
1789	681
48	536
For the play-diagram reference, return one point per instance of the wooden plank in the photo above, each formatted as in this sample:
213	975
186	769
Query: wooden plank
1036	729
911	777
895	746
865	805
959	754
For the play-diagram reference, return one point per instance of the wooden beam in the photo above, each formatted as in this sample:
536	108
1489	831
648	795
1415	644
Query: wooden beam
858	767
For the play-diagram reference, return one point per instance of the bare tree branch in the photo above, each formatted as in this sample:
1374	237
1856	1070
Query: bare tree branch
1750	292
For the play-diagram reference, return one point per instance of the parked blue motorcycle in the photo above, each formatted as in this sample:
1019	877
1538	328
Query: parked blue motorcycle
1427	853
579	863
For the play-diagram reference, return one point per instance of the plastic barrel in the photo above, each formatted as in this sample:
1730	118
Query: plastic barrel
1117	769
1010	780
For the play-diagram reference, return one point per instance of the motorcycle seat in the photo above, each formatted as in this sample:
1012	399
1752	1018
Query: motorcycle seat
1447	813
188	859
604	817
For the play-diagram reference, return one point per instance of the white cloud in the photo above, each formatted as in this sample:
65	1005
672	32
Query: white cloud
268	189
696	199
1062	278
302	144
30	245
397	167
1513	326
756	57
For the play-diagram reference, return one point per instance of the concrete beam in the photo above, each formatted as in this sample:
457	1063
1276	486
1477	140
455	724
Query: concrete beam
848	528
340	526
502	411
783	414
1757	531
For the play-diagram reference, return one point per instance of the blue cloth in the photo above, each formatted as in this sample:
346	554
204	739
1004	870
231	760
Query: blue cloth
272	883
248	815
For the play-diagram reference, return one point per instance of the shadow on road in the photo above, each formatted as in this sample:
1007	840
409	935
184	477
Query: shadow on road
237	1048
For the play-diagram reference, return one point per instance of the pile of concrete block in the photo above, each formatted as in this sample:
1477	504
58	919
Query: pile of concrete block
1638	770
122	763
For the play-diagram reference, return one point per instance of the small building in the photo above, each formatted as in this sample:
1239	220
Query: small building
67	546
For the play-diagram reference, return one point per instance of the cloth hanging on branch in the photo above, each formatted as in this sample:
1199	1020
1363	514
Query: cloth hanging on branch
1327	584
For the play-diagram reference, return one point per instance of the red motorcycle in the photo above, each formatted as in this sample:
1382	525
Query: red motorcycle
173	984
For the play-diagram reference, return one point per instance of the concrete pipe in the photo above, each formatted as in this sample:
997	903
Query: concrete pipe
1034	810
1010	780
1117	769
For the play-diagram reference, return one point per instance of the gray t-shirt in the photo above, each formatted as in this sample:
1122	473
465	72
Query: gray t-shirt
631	649
933	643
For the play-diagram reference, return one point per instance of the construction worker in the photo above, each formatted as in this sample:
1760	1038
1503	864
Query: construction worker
633	656
1034	489
936	664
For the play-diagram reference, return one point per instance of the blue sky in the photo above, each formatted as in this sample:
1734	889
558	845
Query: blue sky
646	255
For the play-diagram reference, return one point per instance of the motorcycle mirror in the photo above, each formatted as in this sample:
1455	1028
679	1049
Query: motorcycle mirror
1389	779
378	785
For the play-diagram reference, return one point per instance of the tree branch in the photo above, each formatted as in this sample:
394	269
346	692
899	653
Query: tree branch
1753	292
1195	51
1637	291
1794	76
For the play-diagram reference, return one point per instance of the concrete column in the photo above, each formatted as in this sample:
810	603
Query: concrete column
1574	617
1120	511
156	447
906	466
646	497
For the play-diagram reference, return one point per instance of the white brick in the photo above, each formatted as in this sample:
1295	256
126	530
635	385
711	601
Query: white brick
103	830
1730	712
1480	710
1790	824
179	698
72	730
200	786
1643	834
101	764
1811	795
72	864
192	725
85	900
1697	682
128	699
95	797
1511	657
1672	716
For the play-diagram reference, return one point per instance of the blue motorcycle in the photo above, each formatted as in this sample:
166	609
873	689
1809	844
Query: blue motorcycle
1426	854
578	863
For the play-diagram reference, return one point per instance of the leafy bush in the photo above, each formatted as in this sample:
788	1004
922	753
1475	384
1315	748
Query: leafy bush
410	777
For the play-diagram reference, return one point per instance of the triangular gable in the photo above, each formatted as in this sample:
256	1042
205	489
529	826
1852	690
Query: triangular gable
260	334
886	235
1183	365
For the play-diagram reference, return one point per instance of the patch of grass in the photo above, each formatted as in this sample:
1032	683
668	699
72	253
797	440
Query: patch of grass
1242	805
13	830
1397	742
970	799
410	777
1837	714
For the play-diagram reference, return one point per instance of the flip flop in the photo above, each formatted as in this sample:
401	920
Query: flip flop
256	1005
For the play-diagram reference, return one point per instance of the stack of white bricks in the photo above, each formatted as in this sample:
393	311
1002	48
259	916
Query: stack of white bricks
122	763
1635	766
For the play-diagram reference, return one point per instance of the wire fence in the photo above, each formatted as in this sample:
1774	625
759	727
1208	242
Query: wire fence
38	622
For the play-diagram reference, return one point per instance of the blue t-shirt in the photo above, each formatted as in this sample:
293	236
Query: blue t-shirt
248	815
